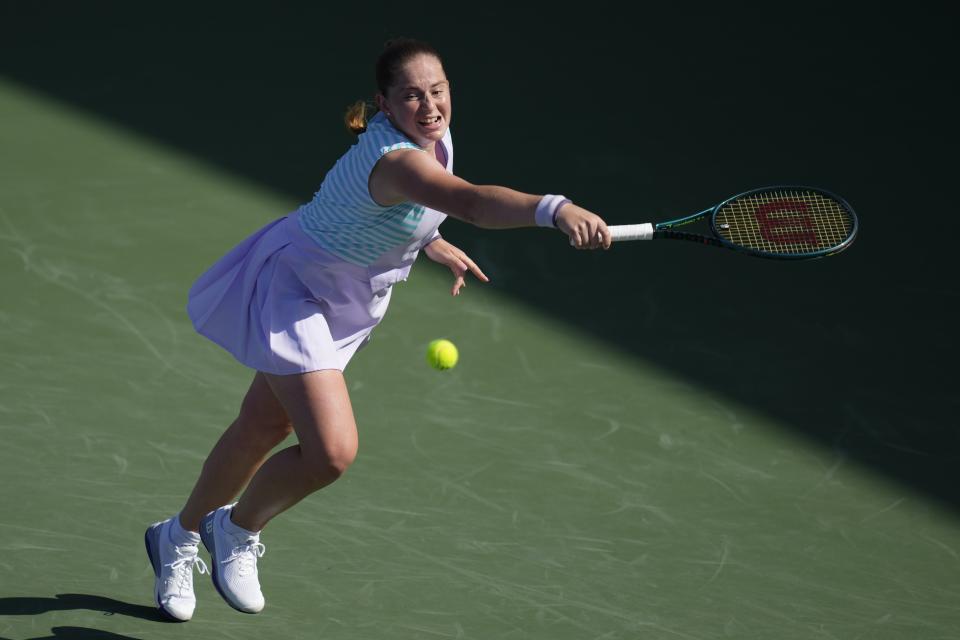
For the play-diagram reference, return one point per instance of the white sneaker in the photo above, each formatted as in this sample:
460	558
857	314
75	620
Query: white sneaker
173	565
234	562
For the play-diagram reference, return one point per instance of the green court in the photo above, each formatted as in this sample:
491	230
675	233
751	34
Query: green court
655	442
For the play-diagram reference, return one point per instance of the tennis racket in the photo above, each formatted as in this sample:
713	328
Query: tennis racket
786	223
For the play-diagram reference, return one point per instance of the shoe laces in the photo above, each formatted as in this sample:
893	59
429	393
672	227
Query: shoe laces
182	567
246	555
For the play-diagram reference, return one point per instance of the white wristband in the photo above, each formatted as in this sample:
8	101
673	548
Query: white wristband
547	210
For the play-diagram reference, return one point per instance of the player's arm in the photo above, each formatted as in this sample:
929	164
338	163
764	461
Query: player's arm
409	175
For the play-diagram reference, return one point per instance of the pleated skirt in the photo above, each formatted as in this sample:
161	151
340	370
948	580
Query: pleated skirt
282	305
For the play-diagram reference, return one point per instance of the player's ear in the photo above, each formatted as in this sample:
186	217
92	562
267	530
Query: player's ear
382	103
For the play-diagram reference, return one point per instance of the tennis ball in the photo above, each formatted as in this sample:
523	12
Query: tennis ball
442	354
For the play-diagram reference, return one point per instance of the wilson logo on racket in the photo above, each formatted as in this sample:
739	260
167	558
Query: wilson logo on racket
797	229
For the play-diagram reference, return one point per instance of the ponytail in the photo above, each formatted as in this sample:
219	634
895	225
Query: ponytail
356	117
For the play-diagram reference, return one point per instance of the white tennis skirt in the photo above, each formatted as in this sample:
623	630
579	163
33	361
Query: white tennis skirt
280	304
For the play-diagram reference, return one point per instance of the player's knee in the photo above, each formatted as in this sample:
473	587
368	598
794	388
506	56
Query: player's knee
340	458
333	462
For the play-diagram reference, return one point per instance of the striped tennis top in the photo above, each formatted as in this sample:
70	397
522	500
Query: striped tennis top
344	219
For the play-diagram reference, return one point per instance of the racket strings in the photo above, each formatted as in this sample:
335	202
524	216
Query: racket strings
785	222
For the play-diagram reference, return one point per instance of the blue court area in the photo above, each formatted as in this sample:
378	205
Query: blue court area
621	452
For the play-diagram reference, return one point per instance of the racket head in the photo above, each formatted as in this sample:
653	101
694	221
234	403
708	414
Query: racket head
785	222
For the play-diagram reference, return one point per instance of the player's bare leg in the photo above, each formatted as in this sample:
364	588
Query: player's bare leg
261	425
319	406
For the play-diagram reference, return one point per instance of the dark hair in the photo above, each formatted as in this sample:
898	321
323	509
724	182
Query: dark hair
396	53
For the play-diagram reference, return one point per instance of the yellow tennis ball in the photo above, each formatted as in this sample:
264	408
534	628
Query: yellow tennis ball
442	354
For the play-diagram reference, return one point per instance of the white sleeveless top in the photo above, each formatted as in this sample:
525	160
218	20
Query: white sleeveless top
344	220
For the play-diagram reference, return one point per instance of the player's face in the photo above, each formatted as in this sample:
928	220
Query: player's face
418	103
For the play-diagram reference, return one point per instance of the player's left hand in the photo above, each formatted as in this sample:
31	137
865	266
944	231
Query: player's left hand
442	252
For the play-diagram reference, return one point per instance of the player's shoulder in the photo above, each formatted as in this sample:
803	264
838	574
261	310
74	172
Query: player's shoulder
408	157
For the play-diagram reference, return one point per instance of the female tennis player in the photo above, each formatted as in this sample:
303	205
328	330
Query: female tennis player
299	297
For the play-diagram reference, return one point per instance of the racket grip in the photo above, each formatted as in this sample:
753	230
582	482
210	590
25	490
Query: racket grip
619	232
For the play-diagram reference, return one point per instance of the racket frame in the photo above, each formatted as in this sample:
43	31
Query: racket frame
666	229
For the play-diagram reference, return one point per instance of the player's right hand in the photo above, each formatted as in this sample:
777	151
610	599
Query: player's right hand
585	229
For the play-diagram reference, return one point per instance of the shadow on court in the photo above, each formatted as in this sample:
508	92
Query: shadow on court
80	633
34	606
639	122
